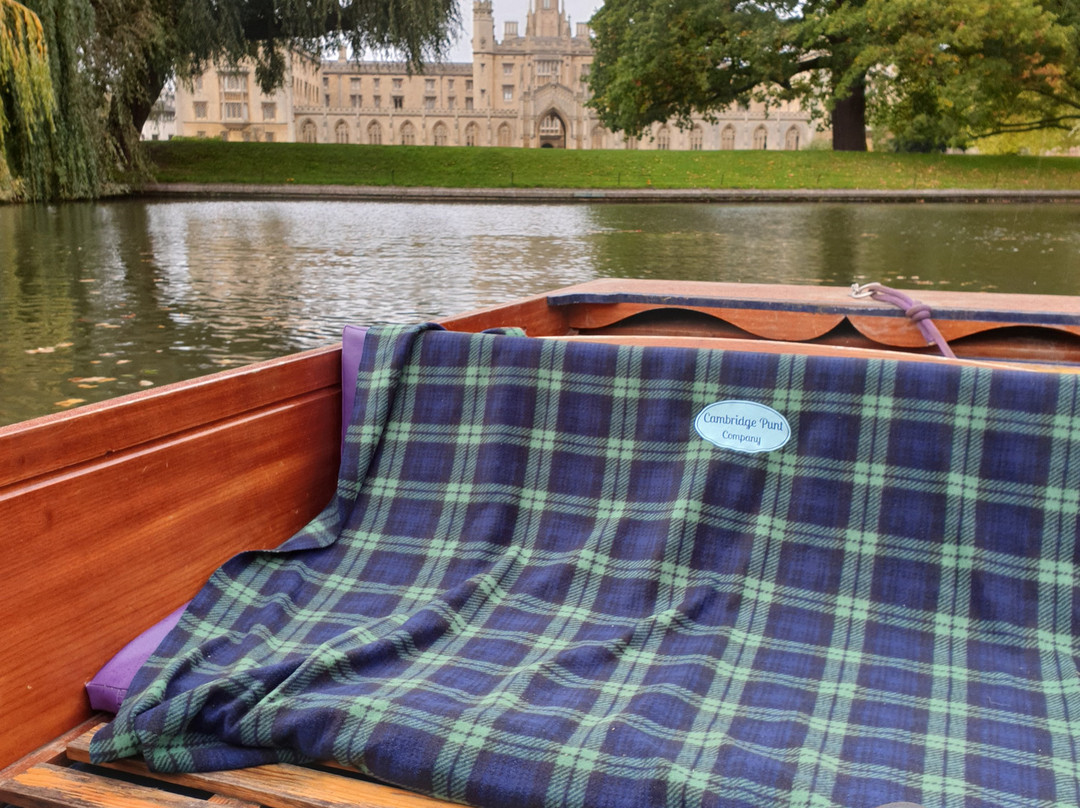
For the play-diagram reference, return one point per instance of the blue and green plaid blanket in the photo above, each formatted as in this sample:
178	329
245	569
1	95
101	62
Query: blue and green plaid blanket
538	586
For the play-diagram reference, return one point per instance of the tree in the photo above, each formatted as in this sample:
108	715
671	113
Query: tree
25	88
54	149
140	44
934	72
107	61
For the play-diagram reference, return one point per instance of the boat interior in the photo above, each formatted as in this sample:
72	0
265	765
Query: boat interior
114	514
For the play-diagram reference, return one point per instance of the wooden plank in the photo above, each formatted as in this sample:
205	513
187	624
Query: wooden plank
531	313
805	349
97	553
761	323
54	752
766	310
62	440
48	786
278	785
617	289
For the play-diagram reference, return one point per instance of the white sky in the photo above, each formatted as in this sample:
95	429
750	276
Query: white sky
504	10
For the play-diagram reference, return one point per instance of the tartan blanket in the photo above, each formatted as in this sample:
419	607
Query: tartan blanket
537	586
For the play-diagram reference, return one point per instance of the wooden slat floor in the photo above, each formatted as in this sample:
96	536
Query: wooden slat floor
53	778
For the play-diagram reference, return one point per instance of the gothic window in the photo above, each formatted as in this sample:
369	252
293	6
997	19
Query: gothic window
269	111
439	134
504	135
200	109
727	138
551	125
508	92
408	134
472	135
663	139
761	138
791	139
308	132
374	133
341	132
631	143
697	138
399	101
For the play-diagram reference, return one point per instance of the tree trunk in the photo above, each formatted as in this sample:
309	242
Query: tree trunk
849	120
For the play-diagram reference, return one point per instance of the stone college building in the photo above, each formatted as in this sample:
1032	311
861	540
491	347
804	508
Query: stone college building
527	90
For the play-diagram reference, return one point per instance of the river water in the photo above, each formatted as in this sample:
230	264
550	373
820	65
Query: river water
97	300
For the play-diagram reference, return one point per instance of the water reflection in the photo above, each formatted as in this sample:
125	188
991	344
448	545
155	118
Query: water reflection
97	300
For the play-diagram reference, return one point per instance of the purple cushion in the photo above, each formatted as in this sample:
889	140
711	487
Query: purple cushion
352	346
109	686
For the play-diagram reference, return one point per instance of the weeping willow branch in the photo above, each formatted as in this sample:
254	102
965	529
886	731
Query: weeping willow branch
26	92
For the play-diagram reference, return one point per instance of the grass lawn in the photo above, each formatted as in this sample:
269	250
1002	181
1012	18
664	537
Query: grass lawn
205	161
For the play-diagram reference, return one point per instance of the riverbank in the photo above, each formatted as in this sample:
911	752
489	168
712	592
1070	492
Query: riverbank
434	172
360	193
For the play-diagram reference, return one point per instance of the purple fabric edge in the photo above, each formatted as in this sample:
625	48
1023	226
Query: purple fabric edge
352	347
109	685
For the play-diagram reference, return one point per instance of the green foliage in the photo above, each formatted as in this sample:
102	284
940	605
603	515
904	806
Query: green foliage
26	100
103	63
59	156
948	72
936	74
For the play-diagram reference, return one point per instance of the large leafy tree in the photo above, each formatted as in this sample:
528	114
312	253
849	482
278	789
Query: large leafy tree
139	44
934	72
26	104
53	145
78	78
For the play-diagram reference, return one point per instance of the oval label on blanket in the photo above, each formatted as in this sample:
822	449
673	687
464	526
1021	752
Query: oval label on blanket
744	426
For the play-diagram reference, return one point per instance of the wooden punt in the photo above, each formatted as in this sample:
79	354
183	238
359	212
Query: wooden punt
115	513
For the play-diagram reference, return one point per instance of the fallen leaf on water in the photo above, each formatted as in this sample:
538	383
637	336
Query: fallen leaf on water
107	325
145	383
69	402
50	348
92	379
122	361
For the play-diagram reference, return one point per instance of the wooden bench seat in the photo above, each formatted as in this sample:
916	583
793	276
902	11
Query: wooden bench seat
53	777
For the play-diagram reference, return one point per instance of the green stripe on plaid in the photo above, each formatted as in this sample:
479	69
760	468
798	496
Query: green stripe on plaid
538	586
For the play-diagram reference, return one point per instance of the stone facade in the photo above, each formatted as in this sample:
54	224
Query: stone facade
528	90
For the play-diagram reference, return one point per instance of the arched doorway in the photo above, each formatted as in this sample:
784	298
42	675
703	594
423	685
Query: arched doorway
552	132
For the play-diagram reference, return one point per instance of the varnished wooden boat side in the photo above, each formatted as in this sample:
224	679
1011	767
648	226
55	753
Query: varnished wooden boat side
114	515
